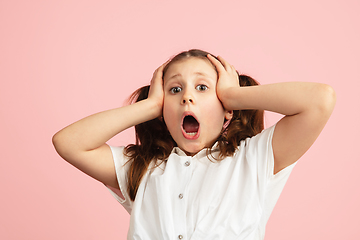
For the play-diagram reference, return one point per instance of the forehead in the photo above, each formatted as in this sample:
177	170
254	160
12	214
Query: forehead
192	66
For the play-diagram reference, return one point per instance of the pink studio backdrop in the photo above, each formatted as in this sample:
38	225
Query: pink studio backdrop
63	60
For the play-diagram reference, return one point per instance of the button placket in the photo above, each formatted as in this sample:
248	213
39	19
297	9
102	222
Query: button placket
186	164
184	171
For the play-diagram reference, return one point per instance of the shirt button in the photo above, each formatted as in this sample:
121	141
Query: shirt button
181	196
187	163
180	236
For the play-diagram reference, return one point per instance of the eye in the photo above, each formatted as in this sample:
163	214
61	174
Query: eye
175	90
201	87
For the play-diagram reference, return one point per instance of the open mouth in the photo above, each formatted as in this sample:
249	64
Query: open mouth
190	126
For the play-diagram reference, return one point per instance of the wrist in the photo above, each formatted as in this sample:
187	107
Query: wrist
154	108
226	97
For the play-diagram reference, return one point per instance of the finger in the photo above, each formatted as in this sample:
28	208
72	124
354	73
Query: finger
230	68
218	65
226	65
234	70
164	64
159	71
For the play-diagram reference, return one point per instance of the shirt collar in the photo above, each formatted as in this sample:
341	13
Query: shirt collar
202	153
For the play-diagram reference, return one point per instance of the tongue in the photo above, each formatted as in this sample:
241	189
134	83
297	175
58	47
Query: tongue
190	124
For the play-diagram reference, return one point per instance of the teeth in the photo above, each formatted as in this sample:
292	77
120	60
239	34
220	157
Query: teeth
191	133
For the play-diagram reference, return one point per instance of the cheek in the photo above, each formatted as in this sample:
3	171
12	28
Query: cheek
216	115
166	107
218	121
168	114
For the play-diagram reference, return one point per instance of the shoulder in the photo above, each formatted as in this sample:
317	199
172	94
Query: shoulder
257	152
119	156
117	151
261	141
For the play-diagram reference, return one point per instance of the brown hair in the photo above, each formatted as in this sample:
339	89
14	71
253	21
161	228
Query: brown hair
154	142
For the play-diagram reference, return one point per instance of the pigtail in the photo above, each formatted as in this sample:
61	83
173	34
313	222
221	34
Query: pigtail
244	124
153	142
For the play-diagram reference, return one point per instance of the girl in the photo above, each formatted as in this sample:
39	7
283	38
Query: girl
202	166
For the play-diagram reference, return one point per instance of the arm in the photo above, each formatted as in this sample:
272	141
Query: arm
306	106
83	143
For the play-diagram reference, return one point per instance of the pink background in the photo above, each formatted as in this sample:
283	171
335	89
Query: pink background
63	60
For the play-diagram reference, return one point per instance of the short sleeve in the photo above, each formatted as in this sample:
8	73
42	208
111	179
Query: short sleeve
259	149
121	169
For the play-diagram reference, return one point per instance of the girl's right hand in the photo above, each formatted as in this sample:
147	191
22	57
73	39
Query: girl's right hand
156	91
83	143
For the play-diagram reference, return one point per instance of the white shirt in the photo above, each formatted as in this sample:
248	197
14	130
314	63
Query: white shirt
195	198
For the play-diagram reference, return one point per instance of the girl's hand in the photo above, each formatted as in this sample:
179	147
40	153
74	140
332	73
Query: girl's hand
156	91
228	78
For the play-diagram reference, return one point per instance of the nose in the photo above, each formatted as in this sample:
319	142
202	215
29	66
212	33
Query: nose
187	98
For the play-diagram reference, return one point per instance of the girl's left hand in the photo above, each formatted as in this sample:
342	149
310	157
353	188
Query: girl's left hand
228	78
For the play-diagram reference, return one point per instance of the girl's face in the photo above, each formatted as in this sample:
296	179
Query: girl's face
192	111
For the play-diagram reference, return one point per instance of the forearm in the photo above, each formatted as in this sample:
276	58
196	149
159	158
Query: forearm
95	130
285	98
